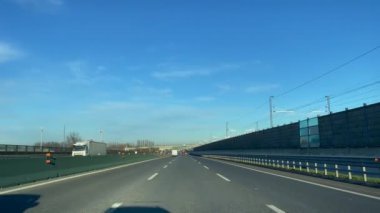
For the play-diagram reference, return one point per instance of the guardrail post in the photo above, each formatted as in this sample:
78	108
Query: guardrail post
294	165
307	167
278	163
316	168
282	164
300	164
287	164
349	172
273	163
364	174
325	168
336	171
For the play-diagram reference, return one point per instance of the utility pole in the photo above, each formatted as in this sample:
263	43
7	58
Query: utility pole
271	111
257	126
227	130
328	110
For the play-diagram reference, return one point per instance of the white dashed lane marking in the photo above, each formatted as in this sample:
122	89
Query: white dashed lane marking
153	176
224	178
275	209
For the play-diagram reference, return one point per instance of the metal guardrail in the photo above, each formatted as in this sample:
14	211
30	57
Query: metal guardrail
358	170
8	148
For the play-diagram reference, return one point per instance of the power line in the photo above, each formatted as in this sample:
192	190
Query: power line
345	103
245	114
355	89
329	71
320	100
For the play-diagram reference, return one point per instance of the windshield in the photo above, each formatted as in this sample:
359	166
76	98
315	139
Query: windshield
79	148
190	106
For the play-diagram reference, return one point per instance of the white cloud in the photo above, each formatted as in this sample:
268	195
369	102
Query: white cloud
8	52
261	88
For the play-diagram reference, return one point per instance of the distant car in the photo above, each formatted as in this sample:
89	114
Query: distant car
174	152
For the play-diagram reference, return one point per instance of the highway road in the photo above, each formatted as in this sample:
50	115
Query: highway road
191	184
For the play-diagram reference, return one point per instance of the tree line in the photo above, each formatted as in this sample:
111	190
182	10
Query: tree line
70	139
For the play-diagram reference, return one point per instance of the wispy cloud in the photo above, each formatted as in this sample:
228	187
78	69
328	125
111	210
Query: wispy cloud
116	105
40	5
224	88
182	73
205	98
8	52
261	88
178	73
82	73
144	92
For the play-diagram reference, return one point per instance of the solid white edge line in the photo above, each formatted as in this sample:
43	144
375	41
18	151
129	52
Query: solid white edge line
275	209
224	178
153	176
305	181
116	205
74	176
205	167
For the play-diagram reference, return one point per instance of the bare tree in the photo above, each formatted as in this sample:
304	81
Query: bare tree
72	138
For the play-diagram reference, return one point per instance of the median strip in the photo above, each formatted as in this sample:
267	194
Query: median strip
73	176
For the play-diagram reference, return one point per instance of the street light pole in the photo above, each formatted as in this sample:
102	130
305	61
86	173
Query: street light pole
271	111
64	133
101	135
328	110
42	130
227	129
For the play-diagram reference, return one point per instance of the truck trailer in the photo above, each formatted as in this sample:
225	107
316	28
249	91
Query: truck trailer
174	152
89	148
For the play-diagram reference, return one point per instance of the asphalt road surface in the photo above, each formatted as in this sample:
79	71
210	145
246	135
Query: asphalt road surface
191	184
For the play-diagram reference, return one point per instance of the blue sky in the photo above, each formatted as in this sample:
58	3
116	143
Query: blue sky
176	71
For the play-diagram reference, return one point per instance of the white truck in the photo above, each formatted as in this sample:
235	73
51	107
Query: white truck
174	152
89	148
